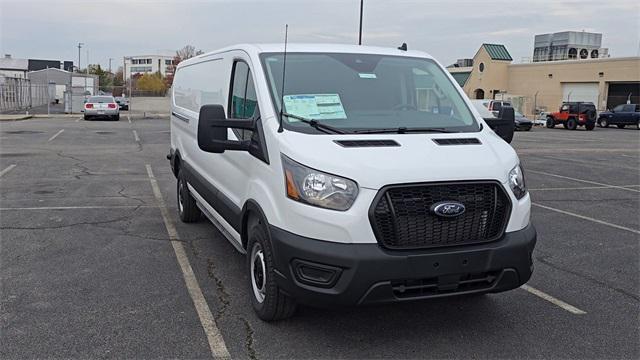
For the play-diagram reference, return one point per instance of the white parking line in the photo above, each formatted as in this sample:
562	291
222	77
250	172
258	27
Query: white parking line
129	119
135	136
581	180
7	169
570	308
587	218
78	119
55	135
216	342
77	207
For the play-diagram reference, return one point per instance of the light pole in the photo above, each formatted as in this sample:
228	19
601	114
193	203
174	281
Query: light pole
110	64
79	47
360	33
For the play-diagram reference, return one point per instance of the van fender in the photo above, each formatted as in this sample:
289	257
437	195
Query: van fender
259	202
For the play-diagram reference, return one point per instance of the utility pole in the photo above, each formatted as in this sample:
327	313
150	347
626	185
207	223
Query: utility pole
79	47
110	64
360	33
48	96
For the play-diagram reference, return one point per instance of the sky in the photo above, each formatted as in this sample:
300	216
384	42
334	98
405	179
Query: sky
448	30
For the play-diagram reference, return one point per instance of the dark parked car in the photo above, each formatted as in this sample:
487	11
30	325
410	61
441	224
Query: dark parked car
123	102
522	123
621	116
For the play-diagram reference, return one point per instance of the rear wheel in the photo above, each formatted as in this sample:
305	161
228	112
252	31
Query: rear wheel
116	117
603	123
551	123
564	125
572	124
86	117
590	126
620	126
268	301
187	208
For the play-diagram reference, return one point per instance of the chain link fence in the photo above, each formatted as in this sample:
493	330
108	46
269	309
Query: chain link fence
20	95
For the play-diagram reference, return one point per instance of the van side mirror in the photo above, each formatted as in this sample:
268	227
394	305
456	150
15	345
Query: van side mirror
505	124
213	128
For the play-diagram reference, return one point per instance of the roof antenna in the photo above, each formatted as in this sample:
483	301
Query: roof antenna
403	47
284	69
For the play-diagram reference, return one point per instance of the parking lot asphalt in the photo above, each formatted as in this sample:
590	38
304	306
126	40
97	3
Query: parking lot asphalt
87	268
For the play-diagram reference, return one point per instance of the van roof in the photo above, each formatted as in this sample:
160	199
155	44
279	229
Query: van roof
322	48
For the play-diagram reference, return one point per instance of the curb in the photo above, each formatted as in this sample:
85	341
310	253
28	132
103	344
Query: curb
16	118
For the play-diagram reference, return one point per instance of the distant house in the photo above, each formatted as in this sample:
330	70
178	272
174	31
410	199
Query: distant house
18	68
13	68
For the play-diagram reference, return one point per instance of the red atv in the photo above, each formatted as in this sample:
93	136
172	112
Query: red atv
574	114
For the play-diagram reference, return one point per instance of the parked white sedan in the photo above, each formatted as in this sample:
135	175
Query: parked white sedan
101	106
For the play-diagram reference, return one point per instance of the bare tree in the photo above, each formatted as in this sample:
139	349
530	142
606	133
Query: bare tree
188	51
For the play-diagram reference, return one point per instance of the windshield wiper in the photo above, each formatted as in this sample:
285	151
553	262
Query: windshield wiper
403	130
315	124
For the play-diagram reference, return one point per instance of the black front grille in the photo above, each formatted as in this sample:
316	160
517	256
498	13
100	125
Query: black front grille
401	215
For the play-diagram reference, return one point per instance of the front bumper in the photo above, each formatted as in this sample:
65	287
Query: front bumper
321	273
524	126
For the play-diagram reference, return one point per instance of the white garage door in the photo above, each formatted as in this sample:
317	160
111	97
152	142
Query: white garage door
580	92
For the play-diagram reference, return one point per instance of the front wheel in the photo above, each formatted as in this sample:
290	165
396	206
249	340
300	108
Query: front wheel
187	208
551	123
268	301
572	124
603	123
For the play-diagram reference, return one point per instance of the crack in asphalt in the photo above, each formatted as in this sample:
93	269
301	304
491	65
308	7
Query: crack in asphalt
249	340
581	275
121	218
223	296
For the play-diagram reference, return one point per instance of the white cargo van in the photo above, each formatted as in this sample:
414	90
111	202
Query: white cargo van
367	177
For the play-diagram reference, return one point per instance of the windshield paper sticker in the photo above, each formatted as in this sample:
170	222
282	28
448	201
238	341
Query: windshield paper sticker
315	106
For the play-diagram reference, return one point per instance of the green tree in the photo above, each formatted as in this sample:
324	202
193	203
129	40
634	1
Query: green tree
151	82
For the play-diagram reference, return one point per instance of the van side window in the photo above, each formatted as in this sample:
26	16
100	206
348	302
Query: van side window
244	101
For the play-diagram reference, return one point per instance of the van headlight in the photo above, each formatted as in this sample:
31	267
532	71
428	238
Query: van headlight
318	188
517	183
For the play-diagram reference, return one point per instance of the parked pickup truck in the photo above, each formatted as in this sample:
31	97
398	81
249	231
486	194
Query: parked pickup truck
621	115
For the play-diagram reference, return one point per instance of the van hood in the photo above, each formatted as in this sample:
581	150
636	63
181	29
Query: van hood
418	158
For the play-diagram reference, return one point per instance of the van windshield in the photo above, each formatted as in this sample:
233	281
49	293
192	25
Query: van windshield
356	92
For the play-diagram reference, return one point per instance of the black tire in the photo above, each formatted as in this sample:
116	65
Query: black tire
564	125
589	126
620	126
187	208
268	301
117	117
603	123
572	124
87	118
551	123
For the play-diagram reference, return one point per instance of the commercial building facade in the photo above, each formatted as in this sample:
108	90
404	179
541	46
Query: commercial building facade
146	64
544	85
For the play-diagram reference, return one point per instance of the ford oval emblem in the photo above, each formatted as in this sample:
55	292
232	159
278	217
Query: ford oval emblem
448	208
